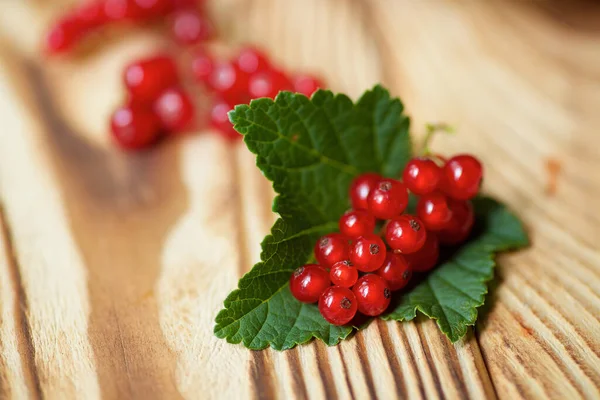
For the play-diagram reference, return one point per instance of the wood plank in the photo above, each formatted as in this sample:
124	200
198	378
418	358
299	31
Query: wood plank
520	93
121	262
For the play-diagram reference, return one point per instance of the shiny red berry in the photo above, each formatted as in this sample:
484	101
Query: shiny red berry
462	177
460	225
251	61
405	233
434	211
63	36
174	109
202	66
367	253
338	305
306	84
134	127
360	188
220	120
189	26
229	82
373	294
355	223
330	249
146	79
395	271
427	257
308	282
344	274
388	199
421	175
267	84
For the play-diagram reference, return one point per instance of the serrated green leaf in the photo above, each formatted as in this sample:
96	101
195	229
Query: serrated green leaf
453	291
310	149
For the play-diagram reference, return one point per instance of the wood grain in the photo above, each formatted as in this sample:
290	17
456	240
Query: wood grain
113	266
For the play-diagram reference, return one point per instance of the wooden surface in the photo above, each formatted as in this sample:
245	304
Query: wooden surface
113	266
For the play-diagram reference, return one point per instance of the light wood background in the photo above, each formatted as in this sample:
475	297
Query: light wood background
113	266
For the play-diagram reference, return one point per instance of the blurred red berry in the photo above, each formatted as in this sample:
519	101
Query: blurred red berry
306	84
134	127
459	227
189	26
64	35
202	66
251	60
220	120
174	109
146	79
267	84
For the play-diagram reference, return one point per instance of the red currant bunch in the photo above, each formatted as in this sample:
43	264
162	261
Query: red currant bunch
366	267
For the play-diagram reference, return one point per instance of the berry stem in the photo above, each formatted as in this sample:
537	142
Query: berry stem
433	128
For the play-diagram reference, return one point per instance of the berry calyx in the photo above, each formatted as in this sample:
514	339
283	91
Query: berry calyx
434	211
338	305
174	109
330	249
421	175
360	188
355	223
146	79
343	274
460	225
405	233
395	271
388	199
367	253
427	257
308	282
462	177
373	294
134	127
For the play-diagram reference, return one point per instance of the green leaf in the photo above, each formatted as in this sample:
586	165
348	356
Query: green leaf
310	149
452	292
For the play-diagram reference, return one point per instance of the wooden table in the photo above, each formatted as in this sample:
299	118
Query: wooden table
113	266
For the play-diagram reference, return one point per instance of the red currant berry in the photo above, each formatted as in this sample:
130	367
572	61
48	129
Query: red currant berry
220	120
267	84
306	84
421	176
153	8
434	211
367	253
119	10
251	60
405	233
360	188
189	27
202	66
64	35
460	225
462	177
174	109
330	249
343	274
388	199
229	82
146	79
91	14
426	258
355	223
308	282
395	271
134	127
373	294
338	305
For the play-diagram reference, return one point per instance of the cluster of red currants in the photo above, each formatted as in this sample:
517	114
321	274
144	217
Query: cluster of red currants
157	104
249	75
187	20
355	270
